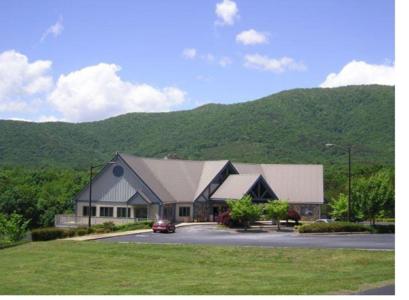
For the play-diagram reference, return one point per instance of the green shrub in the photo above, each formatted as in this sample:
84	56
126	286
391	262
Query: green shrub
70	232
47	234
384	228
13	228
109	226
333	227
82	231
134	226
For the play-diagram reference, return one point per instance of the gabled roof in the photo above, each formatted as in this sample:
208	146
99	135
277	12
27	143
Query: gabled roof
174	180
236	186
295	183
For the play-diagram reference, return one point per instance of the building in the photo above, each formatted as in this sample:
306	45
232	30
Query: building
133	187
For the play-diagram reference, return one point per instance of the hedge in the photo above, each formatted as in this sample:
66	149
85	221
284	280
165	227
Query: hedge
47	234
384	228
333	227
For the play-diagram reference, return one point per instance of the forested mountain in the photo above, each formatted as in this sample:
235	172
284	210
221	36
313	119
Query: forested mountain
42	166
288	127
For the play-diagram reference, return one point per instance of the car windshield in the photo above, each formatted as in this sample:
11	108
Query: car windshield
163	222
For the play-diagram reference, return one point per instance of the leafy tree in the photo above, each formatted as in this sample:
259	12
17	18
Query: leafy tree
277	210
243	211
12	228
374	195
339	207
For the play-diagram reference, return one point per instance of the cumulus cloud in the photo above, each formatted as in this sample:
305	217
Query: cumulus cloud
226	12
225	61
252	37
189	53
277	65
54	30
360	72
97	92
22	81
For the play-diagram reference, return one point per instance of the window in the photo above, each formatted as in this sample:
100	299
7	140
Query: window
85	211
306	211
106	211
118	171
141	212
184	211
123	212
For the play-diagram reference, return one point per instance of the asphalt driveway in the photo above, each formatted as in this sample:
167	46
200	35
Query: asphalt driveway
214	235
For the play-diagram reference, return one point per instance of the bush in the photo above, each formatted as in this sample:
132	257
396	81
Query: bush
83	231
12	228
244	211
225	219
47	234
134	226
384	228
293	215
333	227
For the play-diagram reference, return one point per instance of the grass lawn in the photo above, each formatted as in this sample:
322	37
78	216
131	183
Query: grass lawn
68	267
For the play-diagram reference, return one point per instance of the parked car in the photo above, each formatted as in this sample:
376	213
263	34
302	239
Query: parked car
163	226
324	221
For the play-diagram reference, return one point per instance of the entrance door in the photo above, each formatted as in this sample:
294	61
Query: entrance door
215	213
168	213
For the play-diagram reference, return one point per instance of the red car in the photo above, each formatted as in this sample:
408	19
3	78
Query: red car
163	226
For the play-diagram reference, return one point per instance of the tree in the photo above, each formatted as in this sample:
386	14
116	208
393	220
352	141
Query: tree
12	228
375	195
243	211
339	207
277	210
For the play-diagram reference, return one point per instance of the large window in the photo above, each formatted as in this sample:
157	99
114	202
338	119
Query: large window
106	211
85	210
141	212
184	211
123	212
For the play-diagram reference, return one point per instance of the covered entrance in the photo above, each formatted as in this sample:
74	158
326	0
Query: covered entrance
140	207
169	212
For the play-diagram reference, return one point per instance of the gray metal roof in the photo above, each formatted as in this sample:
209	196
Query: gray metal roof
175	180
235	186
295	183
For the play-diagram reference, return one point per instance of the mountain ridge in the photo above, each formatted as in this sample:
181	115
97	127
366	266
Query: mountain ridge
286	127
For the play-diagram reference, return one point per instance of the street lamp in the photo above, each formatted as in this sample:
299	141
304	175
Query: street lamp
90	189
348	149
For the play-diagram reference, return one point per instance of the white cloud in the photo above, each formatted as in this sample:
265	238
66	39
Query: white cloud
225	61
55	30
226	12
208	57
277	65
97	92
252	37
360	72
22	81
189	53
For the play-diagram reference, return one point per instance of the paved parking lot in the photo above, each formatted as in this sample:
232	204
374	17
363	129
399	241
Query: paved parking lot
214	235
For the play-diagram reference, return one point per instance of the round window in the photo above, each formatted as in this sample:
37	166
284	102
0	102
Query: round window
118	171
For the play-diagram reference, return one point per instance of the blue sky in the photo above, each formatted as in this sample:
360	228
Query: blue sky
124	56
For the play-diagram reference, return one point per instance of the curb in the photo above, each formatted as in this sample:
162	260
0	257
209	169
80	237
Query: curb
105	235
332	233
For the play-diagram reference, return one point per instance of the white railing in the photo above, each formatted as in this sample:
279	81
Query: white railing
75	221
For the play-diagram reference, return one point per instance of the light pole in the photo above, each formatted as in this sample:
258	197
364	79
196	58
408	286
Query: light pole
348	149
90	189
